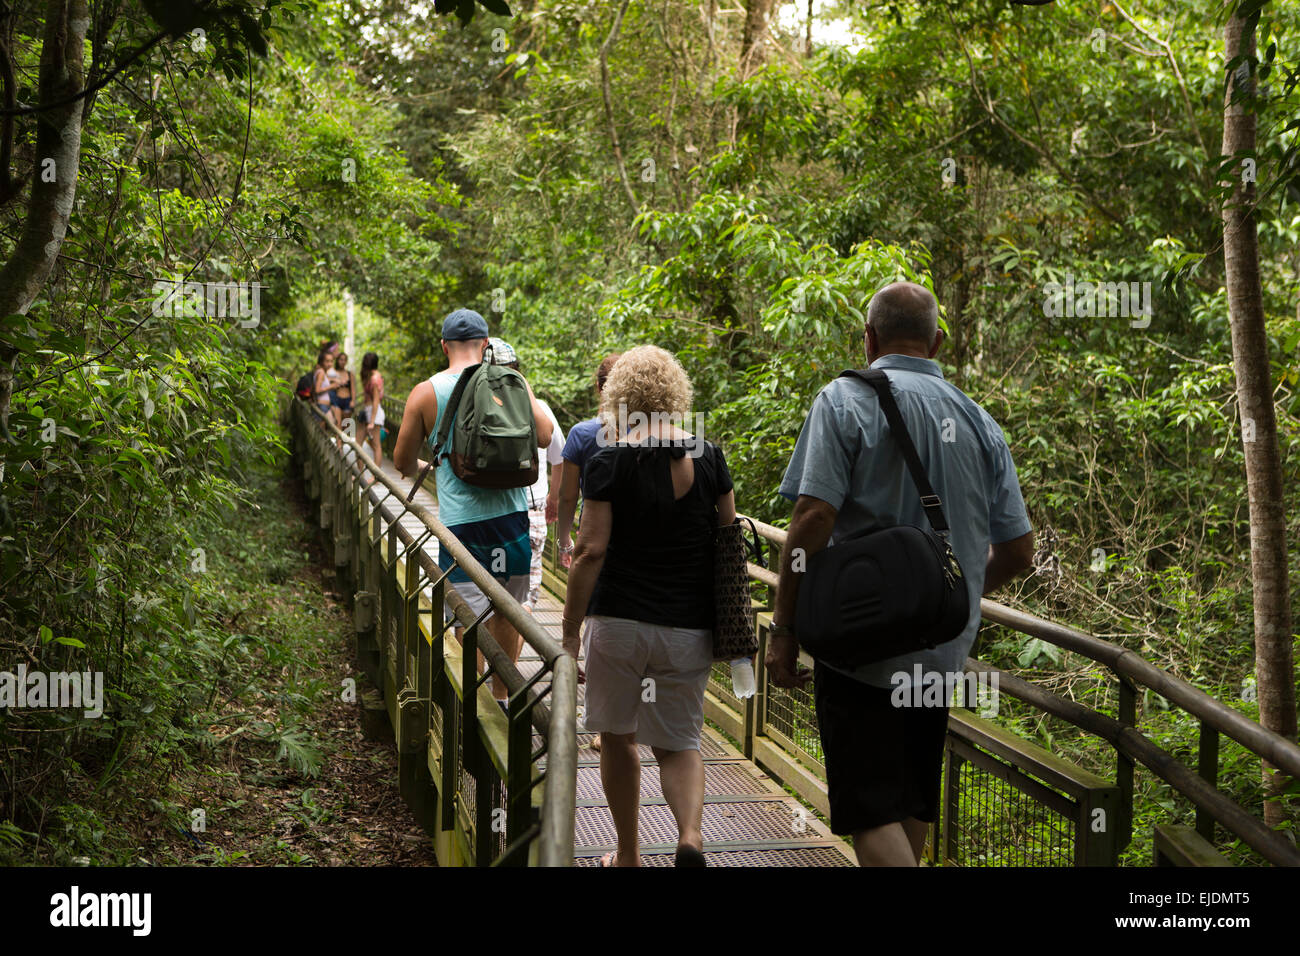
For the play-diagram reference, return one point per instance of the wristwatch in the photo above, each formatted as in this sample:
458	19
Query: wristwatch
781	629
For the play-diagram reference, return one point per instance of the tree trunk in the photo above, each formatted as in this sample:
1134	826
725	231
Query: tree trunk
1275	674
751	44
58	138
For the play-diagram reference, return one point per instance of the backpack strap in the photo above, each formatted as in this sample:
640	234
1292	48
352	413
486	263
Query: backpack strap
879	381
453	403
444	431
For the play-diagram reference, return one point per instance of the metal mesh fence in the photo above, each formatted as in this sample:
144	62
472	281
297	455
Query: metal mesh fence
466	790
494	790
720	684
792	714
991	822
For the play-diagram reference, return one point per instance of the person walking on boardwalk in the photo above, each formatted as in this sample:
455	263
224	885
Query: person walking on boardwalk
543	495
643	571
371	415
846	476
322	387
581	444
332	374
342	397
492	523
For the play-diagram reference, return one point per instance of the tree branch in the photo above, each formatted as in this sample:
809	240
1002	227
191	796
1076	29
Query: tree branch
609	106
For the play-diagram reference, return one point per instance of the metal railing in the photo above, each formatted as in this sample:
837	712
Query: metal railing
491	788
1005	800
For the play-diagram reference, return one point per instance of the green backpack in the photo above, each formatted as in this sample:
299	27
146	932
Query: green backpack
489	419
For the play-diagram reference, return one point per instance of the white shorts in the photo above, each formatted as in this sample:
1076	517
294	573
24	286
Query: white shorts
537	536
472	595
647	679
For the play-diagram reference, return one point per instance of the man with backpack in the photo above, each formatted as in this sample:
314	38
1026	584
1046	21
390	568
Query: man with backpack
852	472
482	433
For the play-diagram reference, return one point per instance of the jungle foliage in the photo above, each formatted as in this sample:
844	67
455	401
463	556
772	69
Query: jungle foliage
592	176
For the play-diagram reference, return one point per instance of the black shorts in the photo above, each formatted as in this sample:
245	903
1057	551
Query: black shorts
883	763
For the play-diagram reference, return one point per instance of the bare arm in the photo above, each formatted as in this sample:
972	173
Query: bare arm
726	509
568	503
588	559
543	424
810	529
541	418
553	493
1008	560
417	422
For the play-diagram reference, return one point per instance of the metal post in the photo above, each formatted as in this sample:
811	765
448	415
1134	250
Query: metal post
519	764
1207	768
760	692
1124	766
951	803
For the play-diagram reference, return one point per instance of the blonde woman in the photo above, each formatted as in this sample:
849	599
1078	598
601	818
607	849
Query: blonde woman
642	577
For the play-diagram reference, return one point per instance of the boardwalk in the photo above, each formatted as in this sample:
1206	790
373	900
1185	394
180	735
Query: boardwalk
749	820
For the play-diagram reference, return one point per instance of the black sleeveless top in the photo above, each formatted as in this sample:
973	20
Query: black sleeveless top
659	561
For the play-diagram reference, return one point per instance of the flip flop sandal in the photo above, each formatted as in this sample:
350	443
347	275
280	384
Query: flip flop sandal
689	856
608	858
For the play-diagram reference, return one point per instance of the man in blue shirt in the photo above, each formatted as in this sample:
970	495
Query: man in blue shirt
884	753
582	443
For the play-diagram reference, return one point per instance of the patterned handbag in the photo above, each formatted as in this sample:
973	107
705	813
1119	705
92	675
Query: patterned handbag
734	636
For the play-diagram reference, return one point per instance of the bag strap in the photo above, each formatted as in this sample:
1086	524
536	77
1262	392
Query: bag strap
753	546
453	404
931	502
444	432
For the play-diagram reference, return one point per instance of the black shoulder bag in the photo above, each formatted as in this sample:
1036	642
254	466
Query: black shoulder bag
885	592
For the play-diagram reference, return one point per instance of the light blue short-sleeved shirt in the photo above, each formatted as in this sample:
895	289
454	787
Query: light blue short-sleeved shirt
459	503
846	457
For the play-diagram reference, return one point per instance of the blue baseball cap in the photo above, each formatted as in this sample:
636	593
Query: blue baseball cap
464	325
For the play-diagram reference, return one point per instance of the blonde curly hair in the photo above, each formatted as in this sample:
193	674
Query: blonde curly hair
645	379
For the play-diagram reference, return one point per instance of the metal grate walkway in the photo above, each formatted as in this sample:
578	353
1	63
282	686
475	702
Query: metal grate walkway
749	820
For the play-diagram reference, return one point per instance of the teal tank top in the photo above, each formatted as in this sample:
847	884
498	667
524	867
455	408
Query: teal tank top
459	503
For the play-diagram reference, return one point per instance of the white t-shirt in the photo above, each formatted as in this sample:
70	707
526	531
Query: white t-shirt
554	455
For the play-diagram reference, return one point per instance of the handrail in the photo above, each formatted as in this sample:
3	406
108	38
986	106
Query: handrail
1126	664
1274	748
1271	746
1130	668
1137	746
558	723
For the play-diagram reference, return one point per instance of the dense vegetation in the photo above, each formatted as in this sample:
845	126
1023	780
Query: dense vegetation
592	176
